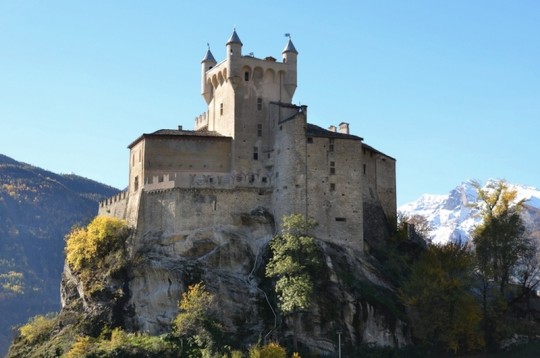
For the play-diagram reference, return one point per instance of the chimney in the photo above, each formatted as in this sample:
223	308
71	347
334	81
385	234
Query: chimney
332	128
344	128
180	128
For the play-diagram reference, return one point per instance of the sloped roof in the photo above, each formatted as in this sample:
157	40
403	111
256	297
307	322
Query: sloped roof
175	133
316	131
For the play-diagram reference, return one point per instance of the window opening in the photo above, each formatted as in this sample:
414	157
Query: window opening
246	76
332	187
259	104
255	153
136	183
259	130
332	168
331	144
341	219
221	109
310	140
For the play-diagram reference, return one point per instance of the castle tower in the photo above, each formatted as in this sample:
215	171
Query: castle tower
234	57
290	56
206	86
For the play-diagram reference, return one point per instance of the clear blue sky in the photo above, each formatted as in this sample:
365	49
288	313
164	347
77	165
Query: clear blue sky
451	89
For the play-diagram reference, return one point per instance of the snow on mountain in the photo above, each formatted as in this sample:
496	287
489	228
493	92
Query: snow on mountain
453	217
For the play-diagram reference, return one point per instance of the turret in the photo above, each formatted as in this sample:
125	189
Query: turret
206	87
234	54
290	56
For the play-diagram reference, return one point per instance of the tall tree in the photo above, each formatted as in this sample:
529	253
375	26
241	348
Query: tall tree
295	257
499	241
500	247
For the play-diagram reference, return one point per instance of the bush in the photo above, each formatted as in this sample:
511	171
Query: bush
86	246
38	328
97	251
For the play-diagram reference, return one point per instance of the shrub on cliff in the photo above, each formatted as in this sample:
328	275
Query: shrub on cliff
97	249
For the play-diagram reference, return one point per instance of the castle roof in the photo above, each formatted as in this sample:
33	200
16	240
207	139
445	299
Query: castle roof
368	147
290	47
234	38
209	57
178	134
316	131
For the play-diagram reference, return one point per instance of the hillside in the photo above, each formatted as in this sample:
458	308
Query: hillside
37	209
452	217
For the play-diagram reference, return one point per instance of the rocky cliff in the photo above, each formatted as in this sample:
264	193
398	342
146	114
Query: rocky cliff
351	296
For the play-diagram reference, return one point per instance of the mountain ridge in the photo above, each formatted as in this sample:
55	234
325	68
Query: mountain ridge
453	216
37	209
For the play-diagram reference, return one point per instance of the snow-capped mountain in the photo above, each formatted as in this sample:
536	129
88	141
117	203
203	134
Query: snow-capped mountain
453	217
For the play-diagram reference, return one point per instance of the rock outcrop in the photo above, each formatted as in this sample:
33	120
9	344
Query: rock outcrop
230	260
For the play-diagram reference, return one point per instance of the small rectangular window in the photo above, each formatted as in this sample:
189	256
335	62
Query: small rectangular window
332	168
221	109
259	130
332	187
246	76
330	144
341	219
310	140
136	184
255	153
259	104
365	168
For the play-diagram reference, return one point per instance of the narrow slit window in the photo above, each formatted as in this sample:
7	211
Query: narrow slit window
332	187
259	104
246	76
259	130
332	168
255	153
221	109
341	219
331	144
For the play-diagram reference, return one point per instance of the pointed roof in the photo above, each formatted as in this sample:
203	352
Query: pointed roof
290	47
234	39
209	57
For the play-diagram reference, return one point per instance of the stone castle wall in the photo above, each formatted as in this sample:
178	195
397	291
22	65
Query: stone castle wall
180	211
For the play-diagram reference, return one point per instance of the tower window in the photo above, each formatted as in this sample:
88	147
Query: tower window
332	187
331	144
136	183
341	219
259	104
255	153
246	76
221	109
259	130
310	139
365	167
332	168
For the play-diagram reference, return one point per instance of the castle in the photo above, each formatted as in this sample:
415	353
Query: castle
253	148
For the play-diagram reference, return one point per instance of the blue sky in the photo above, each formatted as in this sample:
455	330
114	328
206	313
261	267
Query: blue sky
451	89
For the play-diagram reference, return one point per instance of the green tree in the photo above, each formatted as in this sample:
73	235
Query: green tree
444	313
295	258
196	322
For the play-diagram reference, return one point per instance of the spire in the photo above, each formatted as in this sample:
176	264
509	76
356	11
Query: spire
289	47
234	38
209	57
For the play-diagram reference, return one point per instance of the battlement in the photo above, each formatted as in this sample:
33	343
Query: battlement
201	122
113	199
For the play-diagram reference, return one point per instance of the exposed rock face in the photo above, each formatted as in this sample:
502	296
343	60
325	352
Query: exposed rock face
230	261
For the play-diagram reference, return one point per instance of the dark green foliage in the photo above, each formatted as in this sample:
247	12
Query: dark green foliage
444	313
